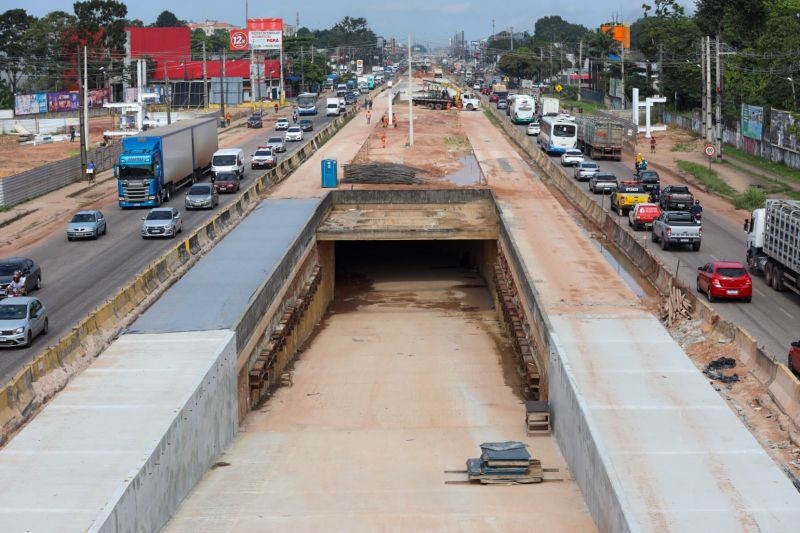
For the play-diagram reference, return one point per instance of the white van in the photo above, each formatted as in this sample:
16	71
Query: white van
228	160
332	108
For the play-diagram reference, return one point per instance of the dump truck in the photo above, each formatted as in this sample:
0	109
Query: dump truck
773	243
155	163
548	106
600	138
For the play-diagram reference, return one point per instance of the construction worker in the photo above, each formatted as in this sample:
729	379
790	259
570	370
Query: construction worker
228	118
639	159
394	120
383	139
369	115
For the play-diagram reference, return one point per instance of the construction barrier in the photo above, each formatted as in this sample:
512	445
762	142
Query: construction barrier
24	393
783	386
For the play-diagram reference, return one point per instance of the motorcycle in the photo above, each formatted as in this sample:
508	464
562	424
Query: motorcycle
698	217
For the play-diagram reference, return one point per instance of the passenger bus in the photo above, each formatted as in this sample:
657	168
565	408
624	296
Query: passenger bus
521	108
557	135
307	104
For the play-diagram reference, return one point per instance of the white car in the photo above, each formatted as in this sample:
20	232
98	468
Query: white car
571	157
294	134
533	129
282	124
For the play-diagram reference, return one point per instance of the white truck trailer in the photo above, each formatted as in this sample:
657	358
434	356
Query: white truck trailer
773	243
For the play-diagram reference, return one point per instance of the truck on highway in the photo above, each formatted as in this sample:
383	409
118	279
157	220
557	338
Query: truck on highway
548	106
677	227
438	73
333	107
155	163
773	243
600	138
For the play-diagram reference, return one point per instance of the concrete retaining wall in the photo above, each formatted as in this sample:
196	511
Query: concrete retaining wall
26	391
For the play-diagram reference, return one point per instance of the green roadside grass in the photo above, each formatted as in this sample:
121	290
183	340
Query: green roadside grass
750	199
769	166
587	106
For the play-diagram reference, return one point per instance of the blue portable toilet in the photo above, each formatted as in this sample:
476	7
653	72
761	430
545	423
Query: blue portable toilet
329	177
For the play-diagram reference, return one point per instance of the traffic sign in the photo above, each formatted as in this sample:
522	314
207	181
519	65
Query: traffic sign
559	88
710	150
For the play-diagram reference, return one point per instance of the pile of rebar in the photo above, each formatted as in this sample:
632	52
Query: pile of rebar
380	173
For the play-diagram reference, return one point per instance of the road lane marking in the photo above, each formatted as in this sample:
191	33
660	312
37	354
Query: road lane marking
758	292
713	257
785	312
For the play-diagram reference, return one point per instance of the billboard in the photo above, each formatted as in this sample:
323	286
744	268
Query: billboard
619	32
30	104
64	101
265	34
359	67
783	130
752	121
239	40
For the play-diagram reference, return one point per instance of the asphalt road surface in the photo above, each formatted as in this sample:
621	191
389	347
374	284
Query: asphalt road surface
771	317
78	276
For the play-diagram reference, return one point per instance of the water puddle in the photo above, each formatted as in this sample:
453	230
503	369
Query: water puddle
468	174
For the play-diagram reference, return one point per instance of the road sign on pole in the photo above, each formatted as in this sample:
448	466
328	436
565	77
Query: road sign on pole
710	150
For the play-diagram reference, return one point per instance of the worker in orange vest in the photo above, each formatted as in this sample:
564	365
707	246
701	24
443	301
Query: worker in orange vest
383	139
228	118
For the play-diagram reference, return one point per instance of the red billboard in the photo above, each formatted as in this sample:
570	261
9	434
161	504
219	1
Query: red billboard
239	40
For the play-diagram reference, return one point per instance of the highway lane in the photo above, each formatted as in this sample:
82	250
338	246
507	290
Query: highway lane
79	276
771	317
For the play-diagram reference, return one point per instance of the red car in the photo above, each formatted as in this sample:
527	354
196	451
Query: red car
725	279
494	97
643	215
226	182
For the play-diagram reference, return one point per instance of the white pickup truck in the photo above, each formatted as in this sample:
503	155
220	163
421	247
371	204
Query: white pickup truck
677	227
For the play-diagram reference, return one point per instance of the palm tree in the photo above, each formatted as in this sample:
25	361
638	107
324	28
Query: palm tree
602	45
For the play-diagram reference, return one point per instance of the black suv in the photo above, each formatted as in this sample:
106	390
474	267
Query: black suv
255	121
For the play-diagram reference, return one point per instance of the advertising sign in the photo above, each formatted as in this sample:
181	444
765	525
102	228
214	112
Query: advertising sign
752	121
265	34
239	40
359	66
63	101
30	104
783	130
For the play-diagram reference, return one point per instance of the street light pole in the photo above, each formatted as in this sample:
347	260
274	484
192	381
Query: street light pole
794	97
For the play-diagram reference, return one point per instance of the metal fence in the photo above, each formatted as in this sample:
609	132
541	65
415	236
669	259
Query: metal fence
42	180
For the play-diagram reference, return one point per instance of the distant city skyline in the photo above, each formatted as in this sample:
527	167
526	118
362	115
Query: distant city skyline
431	24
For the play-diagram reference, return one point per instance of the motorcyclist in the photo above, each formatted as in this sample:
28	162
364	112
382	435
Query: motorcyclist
638	162
17	285
696	210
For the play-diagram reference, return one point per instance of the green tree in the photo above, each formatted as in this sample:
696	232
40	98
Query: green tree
14	47
737	22
556	29
522	63
167	19
49	39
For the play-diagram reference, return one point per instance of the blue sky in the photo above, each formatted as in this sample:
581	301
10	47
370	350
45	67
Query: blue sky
429	22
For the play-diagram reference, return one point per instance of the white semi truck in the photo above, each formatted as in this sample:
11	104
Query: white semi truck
773	243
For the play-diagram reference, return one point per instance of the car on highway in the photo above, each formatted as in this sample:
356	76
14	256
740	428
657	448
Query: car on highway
643	215
585	170
502	103
674	197
201	196
255	121
277	144
264	157
571	157
88	224
677	227
602	182
649	179
724	280
29	268
164	221
533	129
227	182
294	134
22	319
494	98
306	124
282	124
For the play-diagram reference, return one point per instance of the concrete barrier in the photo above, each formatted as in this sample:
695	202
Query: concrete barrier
766	369
26	391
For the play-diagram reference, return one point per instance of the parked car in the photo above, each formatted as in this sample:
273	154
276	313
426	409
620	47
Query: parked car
294	134
22	319
793	361
89	224
163	222
202	196
29	268
263	158
724	279
502	103
277	144
306	124
227	182
602	182
282	124
674	197
255	121
677	227
571	157
642	215
585	170
533	129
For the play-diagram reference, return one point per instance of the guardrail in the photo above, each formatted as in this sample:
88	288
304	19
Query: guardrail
783	386
28	390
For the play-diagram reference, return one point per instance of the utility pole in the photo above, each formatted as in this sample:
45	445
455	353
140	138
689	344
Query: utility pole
661	81
580	68
280	76
512	38
82	126
622	65
223	89
493	33
167	94
709	124
410	92
302	70
719	102
703	83
205	78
